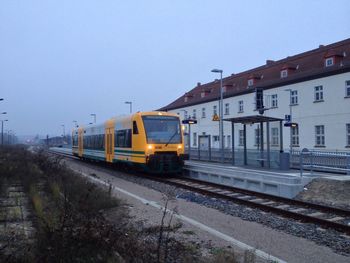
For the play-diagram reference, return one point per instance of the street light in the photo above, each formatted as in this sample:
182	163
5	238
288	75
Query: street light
290	120
1	99
2	131
94	115
221	127
8	137
130	103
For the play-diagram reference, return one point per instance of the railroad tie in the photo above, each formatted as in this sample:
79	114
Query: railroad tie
316	214
282	206
257	200
245	197
234	194
297	210
269	203
334	219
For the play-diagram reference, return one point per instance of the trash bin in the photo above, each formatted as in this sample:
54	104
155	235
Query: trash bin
284	161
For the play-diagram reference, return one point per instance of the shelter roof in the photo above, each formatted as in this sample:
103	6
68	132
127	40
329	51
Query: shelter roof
252	119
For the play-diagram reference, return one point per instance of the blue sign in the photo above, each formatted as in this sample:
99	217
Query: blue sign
287	117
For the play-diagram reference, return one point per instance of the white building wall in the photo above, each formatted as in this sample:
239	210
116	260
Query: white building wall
333	113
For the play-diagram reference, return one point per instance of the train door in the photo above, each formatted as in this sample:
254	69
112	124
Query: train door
109	141
80	142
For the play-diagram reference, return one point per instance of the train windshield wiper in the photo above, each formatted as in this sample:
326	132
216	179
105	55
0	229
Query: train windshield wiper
171	138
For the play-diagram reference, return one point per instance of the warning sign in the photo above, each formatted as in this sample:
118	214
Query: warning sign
216	117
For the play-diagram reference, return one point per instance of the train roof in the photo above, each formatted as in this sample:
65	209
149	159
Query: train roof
125	117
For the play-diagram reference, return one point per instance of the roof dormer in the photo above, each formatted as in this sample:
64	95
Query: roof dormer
253	79
205	92
332	57
187	97
287	69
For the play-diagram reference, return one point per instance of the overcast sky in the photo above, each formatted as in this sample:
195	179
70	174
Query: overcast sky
63	60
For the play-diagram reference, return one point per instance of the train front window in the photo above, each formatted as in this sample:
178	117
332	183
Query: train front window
162	129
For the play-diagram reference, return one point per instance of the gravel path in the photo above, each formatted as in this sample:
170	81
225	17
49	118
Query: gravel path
283	238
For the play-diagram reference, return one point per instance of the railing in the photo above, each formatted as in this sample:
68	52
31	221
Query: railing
254	157
326	161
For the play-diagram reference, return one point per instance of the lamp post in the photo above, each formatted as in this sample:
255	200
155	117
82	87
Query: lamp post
2	131
290	116
221	127
94	115
130	103
8	137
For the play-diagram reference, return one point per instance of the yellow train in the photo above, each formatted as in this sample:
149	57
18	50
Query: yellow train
150	140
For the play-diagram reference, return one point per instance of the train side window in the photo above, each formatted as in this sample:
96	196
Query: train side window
135	130
123	138
119	138
128	138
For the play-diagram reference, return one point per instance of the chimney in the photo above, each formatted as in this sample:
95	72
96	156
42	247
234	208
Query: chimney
269	62
198	84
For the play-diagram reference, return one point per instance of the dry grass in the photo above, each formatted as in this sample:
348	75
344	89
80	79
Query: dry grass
71	224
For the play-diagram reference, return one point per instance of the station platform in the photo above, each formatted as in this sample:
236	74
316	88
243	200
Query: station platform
286	183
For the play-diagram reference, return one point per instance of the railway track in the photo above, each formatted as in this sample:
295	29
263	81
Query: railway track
324	216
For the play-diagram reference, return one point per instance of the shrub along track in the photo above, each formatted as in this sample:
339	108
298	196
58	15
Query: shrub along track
324	216
69	217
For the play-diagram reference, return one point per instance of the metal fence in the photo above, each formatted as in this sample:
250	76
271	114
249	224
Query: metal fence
327	161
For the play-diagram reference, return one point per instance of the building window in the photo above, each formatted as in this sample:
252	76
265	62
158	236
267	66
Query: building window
294	97
295	136
347	88
194	139
241	138
348	134
250	82
257	137
274	101
329	62
185	114
319	93
240	106
215	111
227	108
203	113
319	135
274	136
229	141
284	73
194	114
216	138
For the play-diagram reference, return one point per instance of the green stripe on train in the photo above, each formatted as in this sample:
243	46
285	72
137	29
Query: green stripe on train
129	151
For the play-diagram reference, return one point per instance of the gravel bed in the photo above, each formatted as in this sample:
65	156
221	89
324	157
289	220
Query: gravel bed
338	242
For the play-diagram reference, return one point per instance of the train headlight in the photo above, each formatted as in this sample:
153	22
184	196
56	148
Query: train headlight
149	147
179	147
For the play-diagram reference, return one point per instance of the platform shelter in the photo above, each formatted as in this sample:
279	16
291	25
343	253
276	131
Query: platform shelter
248	120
